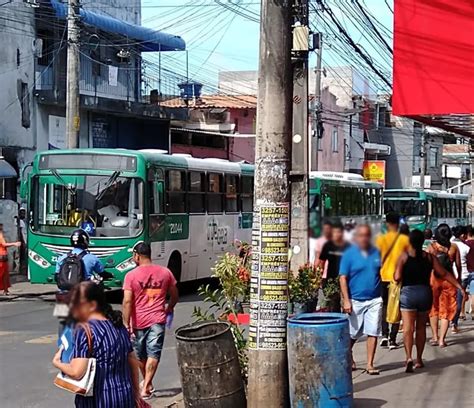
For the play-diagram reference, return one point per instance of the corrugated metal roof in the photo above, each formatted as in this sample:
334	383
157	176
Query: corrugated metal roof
215	101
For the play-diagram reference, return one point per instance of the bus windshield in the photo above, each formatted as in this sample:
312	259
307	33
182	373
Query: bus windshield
406	208
103	205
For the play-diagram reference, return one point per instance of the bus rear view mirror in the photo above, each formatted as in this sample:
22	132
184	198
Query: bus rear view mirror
25	181
327	203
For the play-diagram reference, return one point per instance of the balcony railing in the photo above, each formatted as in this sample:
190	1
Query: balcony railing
99	80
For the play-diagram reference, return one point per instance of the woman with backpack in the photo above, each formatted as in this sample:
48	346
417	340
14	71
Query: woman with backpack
444	294
100	334
414	271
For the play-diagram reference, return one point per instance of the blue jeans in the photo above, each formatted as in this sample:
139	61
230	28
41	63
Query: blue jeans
459	299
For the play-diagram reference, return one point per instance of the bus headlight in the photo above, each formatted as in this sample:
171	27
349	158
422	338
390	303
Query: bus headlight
38	260
126	265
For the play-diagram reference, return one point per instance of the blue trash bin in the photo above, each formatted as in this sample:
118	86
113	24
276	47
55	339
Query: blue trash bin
319	361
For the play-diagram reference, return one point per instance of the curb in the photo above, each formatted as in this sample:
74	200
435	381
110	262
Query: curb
15	296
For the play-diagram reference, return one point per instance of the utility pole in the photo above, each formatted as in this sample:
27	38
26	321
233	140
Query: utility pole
268	368
471	172
299	175
317	111
424	159
72	75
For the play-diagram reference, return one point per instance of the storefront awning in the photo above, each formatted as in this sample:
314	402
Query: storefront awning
6	169
147	38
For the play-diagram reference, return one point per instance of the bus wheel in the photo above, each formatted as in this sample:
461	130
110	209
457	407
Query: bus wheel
174	265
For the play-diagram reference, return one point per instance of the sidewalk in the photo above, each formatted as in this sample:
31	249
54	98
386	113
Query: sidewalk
168	400
22	288
446	381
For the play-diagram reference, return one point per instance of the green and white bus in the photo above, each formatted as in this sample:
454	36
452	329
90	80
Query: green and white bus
423	209
346	196
190	210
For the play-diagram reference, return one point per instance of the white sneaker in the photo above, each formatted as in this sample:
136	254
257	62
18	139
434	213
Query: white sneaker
384	342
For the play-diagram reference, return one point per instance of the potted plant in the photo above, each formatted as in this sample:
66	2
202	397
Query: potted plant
303	289
230	301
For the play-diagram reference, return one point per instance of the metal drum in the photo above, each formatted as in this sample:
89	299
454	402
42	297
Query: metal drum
319	360
209	366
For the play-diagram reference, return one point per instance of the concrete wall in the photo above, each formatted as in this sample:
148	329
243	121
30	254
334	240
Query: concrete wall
330	158
405	139
17	34
126	10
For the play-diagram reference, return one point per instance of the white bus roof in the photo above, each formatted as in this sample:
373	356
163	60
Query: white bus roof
341	176
435	193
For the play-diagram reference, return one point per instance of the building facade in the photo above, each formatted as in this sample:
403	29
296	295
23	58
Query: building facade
33	78
219	126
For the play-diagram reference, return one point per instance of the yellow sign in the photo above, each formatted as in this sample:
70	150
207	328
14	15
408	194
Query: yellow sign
374	170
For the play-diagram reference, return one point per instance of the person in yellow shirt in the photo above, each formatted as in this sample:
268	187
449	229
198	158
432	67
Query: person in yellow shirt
391	245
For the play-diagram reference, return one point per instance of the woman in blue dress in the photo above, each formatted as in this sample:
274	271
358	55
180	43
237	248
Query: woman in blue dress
116	377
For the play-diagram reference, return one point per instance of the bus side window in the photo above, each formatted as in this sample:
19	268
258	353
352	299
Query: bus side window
215	193
175	191
231	192
197	192
158	189
246	193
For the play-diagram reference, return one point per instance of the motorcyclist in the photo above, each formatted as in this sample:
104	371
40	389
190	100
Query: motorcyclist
92	268
80	242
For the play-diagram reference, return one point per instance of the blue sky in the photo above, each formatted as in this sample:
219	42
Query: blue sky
219	39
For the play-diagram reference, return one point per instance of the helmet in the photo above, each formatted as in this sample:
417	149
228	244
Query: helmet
80	239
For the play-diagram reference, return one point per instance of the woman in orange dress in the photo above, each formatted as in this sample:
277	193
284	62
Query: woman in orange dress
444	293
4	273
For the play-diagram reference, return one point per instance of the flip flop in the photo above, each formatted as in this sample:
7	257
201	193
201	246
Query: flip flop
372	371
409	367
434	342
443	345
153	390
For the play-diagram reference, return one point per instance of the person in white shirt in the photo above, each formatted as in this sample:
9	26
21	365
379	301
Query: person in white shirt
460	235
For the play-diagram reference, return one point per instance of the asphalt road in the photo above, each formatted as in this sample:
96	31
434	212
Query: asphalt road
28	341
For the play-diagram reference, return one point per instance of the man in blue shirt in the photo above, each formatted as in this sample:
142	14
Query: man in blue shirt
361	288
80	243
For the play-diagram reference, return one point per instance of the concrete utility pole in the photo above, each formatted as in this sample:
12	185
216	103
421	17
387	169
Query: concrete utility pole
471	168
72	75
317	111
268	371
300	146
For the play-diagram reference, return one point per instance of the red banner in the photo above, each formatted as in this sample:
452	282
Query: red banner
433	62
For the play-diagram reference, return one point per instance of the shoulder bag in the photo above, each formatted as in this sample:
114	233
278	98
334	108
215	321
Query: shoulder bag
84	386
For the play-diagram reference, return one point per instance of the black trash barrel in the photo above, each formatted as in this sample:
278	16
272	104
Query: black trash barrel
209	366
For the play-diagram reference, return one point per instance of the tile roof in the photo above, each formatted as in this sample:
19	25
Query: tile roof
216	101
455	149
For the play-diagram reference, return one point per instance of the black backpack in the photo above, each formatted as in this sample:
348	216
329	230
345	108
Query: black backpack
72	271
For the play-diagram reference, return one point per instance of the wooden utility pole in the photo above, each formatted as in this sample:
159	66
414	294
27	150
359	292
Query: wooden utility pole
72	75
300	146
268	371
